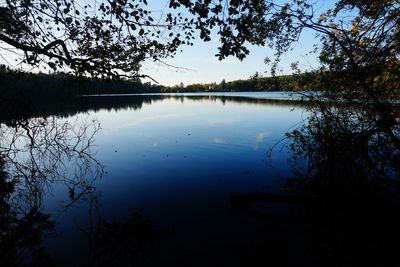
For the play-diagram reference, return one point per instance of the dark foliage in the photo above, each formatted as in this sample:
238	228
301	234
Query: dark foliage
105	39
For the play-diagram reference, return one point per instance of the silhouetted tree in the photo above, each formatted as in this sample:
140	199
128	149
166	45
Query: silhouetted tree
105	39
359	39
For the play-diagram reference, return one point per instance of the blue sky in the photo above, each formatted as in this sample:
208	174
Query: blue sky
200	65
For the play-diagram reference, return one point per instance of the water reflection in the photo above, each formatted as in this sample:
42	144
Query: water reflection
51	171
344	194
194	175
37	155
42	157
27	109
22	229
353	177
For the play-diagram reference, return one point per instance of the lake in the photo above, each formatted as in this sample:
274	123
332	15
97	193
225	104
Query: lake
152	177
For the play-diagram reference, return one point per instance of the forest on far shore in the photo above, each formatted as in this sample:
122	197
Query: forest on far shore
59	85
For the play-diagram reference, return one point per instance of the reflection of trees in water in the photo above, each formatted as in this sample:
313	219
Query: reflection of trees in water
300	102
41	152
43	107
21	233
347	173
47	107
37	154
353	176
351	143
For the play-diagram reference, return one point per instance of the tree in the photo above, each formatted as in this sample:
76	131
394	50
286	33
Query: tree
359	50
355	35
346	154
97	38
223	85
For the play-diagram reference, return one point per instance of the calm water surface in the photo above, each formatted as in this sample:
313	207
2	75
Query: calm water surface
290	95
176	161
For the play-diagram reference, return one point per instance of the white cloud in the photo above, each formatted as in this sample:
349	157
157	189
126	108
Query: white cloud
218	140
259	139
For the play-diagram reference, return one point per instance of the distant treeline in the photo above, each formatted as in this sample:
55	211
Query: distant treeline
61	85
37	86
304	81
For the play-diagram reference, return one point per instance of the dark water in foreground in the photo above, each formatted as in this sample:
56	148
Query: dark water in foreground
196	180
152	185
176	161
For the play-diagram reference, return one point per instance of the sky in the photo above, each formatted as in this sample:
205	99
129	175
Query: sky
198	63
